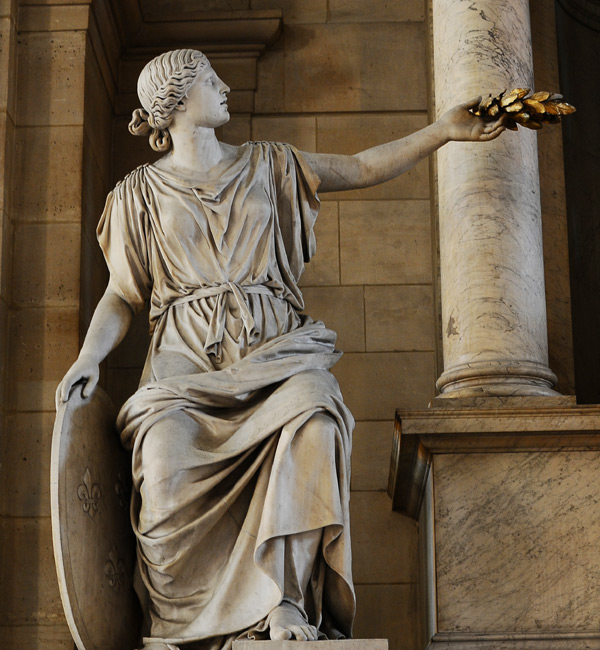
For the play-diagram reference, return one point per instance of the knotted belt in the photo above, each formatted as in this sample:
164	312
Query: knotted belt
216	326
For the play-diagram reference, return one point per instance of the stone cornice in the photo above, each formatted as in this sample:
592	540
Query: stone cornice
237	38
223	32
502	429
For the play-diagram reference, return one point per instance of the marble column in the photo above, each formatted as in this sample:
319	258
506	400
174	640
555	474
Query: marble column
492	276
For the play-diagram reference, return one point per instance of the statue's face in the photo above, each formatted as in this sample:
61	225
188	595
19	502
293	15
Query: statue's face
206	101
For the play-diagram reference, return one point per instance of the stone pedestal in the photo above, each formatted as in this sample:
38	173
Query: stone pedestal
508	502
347	644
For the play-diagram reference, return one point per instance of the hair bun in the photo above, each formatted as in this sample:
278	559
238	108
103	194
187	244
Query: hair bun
163	82
139	124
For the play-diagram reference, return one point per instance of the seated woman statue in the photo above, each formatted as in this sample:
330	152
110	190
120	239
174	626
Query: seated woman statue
239	435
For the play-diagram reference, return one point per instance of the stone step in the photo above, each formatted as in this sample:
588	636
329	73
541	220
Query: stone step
346	644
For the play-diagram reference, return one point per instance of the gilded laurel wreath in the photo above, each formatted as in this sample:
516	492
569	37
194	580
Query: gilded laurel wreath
530	112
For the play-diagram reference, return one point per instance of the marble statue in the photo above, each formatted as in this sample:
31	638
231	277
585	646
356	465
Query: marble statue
239	435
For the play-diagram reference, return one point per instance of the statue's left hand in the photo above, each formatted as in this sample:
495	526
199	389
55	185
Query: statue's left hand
85	371
462	126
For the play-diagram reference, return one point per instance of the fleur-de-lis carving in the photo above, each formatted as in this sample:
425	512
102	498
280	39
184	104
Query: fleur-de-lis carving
89	493
114	569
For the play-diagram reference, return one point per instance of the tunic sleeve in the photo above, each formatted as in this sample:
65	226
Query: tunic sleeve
123	237
297	204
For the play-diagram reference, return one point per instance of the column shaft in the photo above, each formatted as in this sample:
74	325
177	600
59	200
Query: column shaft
492	275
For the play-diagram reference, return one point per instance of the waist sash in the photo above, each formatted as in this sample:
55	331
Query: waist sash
216	327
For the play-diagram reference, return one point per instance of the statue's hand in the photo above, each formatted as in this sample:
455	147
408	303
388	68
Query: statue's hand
85	371
462	126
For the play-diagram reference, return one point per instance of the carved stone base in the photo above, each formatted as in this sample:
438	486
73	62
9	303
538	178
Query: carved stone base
346	644
508	503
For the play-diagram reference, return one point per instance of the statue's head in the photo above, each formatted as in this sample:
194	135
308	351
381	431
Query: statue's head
162	85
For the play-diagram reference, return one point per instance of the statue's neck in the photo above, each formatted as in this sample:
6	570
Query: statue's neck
195	152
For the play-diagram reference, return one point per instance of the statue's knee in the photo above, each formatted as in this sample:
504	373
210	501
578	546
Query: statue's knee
320	430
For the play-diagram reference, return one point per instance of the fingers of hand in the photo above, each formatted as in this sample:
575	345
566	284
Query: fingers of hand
89	376
311	632
494	133
64	388
65	391
297	633
88	389
496	127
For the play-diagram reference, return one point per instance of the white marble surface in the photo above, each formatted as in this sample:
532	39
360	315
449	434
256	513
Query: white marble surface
493	302
345	644
516	543
94	546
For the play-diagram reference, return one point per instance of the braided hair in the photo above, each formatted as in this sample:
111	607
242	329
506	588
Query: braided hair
162	84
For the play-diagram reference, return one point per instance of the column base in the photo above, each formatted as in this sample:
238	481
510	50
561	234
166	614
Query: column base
521	402
497	378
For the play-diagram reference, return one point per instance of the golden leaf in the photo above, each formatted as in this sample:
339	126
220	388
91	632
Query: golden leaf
485	103
534	105
551	108
522	117
515	107
540	96
532	124
513	95
564	108
540	107
493	110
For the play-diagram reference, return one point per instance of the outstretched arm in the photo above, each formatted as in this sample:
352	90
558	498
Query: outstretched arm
109	325
382	163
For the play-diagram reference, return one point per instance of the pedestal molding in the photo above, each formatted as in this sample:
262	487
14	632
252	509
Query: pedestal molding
562	641
419	434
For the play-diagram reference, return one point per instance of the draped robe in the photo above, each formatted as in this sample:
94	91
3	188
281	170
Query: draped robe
240	439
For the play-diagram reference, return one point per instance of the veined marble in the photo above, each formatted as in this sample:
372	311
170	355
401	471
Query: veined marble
345	644
493	301
517	543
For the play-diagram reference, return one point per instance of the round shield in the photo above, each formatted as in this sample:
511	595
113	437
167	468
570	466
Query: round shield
94	545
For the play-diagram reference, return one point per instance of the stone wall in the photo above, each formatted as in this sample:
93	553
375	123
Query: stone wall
8	44
43	307
345	75
59	124
348	75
